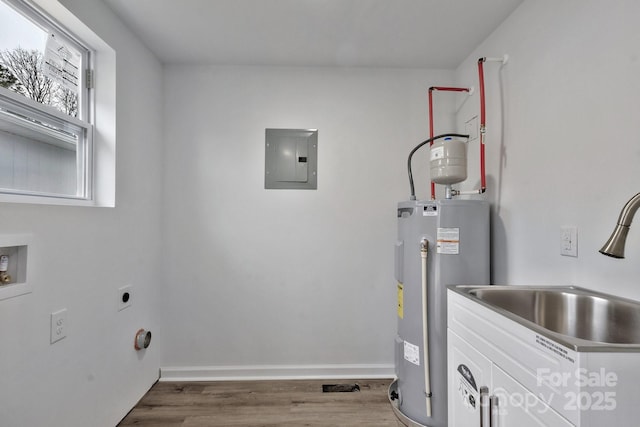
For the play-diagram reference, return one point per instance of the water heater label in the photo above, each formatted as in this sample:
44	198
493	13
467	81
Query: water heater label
430	210
437	153
412	353
400	300
448	241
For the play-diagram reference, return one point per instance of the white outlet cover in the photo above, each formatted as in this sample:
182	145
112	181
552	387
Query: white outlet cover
569	240
125	297
58	325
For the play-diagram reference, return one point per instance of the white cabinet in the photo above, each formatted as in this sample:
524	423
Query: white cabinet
537	381
517	406
469	370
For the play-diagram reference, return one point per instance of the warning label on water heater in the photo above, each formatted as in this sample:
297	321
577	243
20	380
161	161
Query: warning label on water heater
401	300
430	210
448	241
411	353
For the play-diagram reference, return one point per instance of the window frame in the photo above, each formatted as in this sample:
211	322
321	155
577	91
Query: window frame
84	155
85	119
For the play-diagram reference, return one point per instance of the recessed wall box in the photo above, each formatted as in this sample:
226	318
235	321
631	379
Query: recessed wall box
291	159
14	250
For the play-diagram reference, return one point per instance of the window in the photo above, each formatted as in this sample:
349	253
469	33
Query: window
46	130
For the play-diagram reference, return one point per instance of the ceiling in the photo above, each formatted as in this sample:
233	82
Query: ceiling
366	33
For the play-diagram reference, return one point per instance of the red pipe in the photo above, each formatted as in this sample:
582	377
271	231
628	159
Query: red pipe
445	89
483	121
483	179
433	184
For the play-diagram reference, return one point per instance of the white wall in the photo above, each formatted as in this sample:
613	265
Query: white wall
80	257
259	280
286	282
563	144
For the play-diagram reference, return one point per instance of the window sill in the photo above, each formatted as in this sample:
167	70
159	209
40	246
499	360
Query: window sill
44	200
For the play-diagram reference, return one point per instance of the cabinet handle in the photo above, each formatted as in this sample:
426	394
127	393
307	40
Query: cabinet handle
494	411
485	412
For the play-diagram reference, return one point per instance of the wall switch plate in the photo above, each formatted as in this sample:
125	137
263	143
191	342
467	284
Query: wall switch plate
569	240
125	297
58	325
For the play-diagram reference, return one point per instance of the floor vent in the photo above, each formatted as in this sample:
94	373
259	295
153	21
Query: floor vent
340	388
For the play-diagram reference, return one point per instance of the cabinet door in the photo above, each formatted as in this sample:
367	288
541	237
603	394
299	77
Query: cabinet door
518	407
468	370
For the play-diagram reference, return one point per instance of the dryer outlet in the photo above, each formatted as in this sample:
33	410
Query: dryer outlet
125	297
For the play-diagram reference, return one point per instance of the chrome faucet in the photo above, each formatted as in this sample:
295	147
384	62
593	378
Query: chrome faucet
615	245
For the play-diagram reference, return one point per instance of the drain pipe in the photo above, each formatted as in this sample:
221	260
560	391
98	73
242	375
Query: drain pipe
142	340
424	249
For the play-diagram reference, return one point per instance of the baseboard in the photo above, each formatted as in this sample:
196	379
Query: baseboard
276	372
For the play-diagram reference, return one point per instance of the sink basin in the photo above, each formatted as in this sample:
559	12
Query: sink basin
577	317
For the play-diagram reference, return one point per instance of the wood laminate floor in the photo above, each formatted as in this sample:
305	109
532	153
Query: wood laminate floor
263	404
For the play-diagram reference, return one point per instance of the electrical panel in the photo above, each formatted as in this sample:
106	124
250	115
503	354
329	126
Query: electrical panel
291	159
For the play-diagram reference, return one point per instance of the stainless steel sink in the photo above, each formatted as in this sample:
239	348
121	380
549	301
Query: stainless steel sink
579	318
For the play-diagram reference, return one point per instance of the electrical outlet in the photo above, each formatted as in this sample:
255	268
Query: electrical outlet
125	297
569	241
58	325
